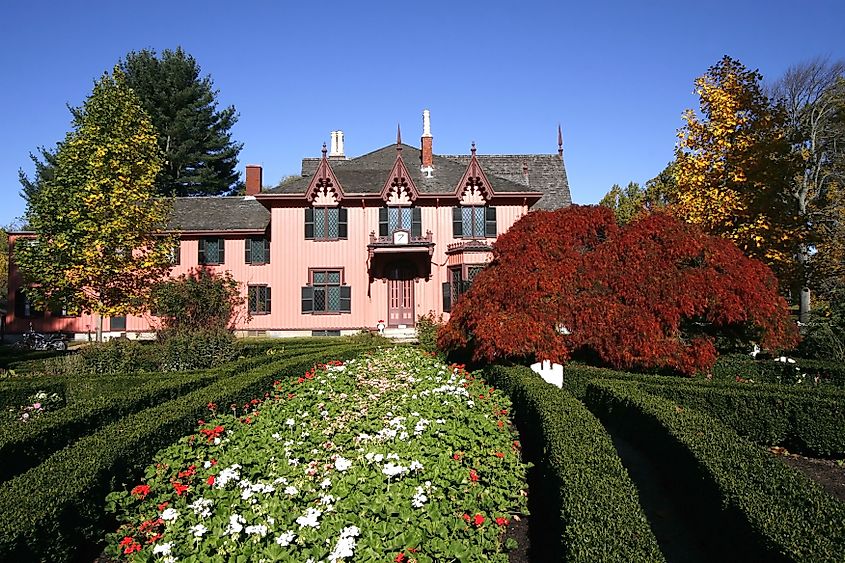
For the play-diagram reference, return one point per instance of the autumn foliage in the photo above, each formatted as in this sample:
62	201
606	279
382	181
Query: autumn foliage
652	294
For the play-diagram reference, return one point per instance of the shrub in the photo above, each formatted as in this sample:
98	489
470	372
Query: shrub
427	327
825	337
57	507
199	300
593	506
200	349
118	356
786	515
567	280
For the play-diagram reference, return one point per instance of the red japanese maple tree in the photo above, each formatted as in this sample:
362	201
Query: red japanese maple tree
652	294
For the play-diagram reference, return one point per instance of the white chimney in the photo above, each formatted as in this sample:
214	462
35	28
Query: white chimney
340	144
426	123
333	148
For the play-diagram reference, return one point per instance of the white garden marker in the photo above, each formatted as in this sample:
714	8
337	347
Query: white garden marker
551	373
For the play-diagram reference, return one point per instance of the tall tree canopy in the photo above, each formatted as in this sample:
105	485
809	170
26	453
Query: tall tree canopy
813	96
200	157
98	246
634	200
652	294
734	167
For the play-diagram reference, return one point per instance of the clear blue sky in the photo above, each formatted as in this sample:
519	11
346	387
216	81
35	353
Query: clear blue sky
615	75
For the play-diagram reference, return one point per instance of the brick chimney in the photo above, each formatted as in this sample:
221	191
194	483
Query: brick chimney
427	154
253	179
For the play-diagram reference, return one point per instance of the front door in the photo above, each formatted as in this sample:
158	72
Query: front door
400	296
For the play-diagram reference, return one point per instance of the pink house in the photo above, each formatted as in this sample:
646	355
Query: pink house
387	236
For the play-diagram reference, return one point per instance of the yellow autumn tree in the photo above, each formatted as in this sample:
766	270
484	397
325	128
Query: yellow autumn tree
735	168
98	245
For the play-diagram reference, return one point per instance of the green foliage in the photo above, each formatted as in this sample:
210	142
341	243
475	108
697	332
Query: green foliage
182	351
55	508
597	515
118	356
199	300
427	327
200	156
825	335
98	244
45	163
787	516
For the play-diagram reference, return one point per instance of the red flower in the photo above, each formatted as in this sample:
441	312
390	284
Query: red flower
478	520
200	422
499	454
473	476
502	521
179	488
126	541
210	480
301	380
141	491
457	455
132	547
162	506
466	517
154	538
400	557
500	424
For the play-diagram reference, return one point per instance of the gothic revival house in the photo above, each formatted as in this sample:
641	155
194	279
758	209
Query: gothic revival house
386	236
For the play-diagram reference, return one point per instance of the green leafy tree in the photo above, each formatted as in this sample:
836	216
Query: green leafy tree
98	246
200	157
45	163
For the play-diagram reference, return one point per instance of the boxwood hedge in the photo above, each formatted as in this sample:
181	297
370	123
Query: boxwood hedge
56	508
595	507
808	423
785	515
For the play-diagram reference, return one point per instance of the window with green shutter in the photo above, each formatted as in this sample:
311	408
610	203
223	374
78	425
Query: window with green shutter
257	250
326	293
474	222
398	218
326	223
212	251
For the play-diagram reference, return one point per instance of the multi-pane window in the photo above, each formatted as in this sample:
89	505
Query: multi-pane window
326	223
325	292
176	253
257	250
24	307
258	297
212	251
395	218
458	284
474	222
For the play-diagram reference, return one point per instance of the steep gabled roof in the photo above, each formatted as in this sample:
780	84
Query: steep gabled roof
213	214
366	174
546	174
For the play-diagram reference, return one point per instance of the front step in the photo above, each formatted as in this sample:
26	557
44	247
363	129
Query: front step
401	335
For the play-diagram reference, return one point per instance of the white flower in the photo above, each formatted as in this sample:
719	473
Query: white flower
169	515
258	530
327	499
344	548
419	498
342	464
325	484
290	422
231	473
291	490
217	441
391	469
236	522
286	538
324	414
162	549
416	465
202	507
276	436
198	530
206	465
393	456
379	458
310	518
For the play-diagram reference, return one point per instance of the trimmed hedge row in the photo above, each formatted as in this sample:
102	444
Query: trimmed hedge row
807	423
576	378
597	505
731	366
16	393
789	517
23	446
54	509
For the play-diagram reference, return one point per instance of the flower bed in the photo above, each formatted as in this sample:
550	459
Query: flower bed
389	457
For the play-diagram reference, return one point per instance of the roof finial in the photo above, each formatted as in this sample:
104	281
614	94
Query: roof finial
473	148
398	138
324	149
559	141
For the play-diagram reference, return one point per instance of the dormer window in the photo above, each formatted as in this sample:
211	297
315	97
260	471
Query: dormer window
326	223
400	218
474	222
